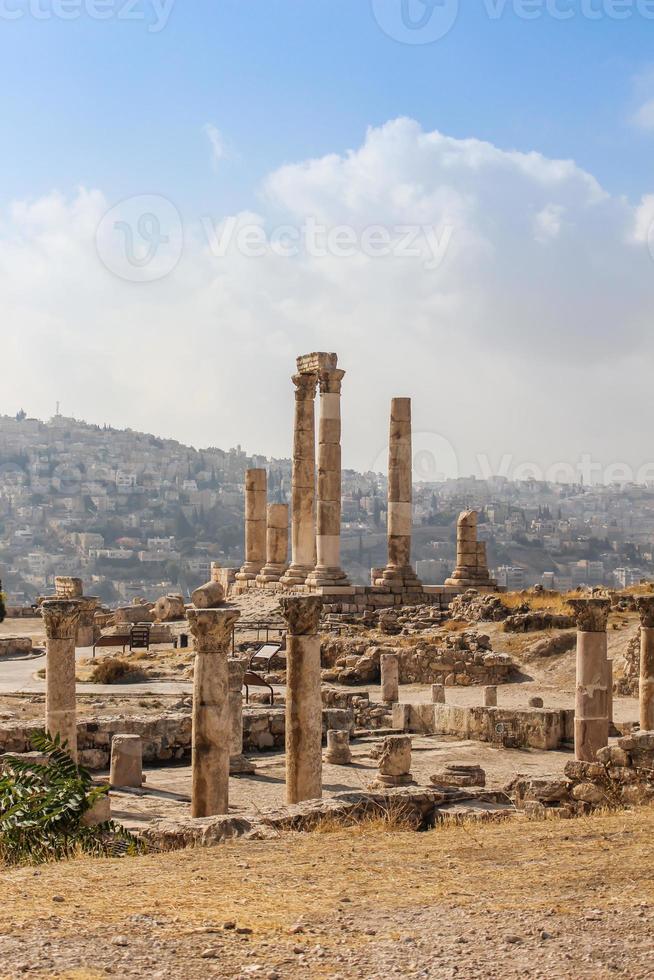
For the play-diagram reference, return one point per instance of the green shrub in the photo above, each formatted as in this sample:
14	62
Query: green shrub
42	806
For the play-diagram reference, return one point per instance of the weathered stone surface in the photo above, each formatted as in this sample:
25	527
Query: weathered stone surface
169	608
126	760
61	619
338	748
302	614
591	615
211	731
208	596
303	698
459	775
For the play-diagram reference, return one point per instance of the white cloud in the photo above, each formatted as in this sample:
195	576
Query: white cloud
644	115
216	142
506	346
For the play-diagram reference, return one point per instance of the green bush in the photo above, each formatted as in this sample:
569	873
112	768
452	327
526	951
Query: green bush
42	808
3	608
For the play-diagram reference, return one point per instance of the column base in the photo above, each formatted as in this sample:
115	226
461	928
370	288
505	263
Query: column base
403	578
469	582
324	577
271	573
238	765
383	781
342	758
249	571
296	575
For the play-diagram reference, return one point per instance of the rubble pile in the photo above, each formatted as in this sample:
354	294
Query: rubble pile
623	775
476	608
459	659
536	620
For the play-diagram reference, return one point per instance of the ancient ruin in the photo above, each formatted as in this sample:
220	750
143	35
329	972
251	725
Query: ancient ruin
471	563
591	704
61	621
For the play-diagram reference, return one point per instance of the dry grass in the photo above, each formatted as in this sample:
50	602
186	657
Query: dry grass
600	860
555	602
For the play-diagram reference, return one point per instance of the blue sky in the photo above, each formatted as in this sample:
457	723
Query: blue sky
538	276
110	103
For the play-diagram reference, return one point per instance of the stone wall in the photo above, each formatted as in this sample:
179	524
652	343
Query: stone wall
537	728
167	738
13	646
462	659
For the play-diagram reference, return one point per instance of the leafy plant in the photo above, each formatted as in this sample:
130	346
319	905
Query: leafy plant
43	805
3	609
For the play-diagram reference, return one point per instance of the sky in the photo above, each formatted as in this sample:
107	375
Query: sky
457	198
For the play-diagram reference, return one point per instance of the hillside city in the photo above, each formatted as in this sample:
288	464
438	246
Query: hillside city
133	514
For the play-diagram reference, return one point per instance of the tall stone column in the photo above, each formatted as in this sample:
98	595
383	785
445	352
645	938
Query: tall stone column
237	761
303	481
276	545
398	573
212	727
645	606
591	699
328	572
255	526
303	699
61	619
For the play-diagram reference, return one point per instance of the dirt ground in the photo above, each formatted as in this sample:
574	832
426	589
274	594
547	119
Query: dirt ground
537	899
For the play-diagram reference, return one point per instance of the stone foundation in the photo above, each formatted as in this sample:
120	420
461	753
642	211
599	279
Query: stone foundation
533	728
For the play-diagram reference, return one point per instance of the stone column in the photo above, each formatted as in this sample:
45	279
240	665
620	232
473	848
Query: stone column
395	761
255	526
389	668
211	733
338	748
126	761
303	481
645	606
303	699
61	619
471	561
237	761
398	573
276	545
328	572
86	625
591	701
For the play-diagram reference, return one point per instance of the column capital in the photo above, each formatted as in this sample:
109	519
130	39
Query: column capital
302	614
591	614
305	386
61	618
212	628
330	381
645	607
